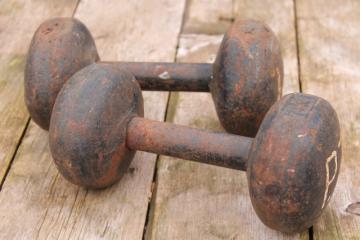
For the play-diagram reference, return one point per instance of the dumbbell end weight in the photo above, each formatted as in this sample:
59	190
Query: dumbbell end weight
60	47
248	76
294	162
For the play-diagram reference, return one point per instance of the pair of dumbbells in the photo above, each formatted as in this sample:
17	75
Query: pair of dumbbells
96	125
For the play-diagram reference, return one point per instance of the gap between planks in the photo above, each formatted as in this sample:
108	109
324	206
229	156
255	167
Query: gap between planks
15	152
154	179
298	53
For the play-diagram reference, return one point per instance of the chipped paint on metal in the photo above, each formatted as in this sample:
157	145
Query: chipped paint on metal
164	75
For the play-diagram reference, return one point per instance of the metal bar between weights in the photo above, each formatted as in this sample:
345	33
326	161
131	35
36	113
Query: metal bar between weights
216	148
170	76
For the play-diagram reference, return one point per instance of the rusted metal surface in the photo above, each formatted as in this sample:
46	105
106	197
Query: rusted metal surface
88	125
170	76
245	80
59	48
294	162
216	148
248	76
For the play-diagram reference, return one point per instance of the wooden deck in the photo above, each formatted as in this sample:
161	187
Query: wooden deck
160	197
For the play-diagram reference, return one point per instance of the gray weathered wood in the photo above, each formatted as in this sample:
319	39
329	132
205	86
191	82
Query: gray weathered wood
208	16
195	201
18	21
330	59
36	201
198	201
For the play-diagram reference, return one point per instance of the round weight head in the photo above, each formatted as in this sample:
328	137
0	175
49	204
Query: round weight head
59	48
88	125
247	76
294	162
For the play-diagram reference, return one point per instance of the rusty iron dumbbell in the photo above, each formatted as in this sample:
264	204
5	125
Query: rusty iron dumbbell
292	164
245	80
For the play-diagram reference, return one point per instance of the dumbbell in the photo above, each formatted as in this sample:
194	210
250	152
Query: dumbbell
292	164
245	80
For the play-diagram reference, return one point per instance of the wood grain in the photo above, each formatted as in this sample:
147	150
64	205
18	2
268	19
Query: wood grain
330	58
36	202
198	201
208	16
18	21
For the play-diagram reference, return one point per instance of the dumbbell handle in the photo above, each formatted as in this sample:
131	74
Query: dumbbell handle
216	148
194	77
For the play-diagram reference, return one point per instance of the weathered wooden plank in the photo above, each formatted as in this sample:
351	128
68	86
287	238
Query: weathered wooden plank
208	16
36	202
197	201
330	58
18	21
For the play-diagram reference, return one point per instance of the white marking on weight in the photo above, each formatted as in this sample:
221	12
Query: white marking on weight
329	180
301	135
165	75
